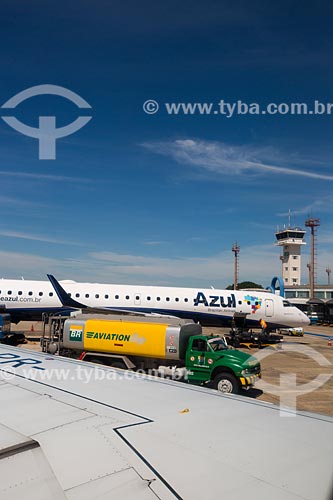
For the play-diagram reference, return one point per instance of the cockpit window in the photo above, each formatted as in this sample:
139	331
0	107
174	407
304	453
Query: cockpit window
286	303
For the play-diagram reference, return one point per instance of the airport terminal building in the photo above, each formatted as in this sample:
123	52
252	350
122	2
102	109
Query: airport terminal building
320	307
300	294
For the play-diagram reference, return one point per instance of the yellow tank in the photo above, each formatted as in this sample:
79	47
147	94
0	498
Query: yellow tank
145	337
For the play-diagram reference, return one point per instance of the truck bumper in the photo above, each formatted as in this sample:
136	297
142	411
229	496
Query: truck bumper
250	380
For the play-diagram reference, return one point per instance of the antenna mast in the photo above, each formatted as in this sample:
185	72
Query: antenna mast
236	250
313	224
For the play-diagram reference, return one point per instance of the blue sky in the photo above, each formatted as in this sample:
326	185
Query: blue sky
138	198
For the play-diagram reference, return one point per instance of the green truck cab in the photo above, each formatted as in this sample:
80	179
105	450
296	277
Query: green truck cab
209	360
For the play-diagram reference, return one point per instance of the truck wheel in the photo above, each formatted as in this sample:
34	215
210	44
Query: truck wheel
226	383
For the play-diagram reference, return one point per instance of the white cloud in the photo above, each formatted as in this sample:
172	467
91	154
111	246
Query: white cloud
157	243
225	159
15	265
324	204
257	263
35	237
17	201
46	177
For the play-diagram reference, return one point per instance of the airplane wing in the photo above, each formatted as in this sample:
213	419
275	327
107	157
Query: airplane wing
67	301
72	430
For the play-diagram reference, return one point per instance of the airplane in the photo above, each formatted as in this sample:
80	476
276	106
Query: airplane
72	430
27	300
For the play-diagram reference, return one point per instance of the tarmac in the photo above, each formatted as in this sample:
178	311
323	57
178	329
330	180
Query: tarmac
298	373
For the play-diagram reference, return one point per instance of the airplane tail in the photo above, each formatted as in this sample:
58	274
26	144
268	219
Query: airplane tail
68	302
63	296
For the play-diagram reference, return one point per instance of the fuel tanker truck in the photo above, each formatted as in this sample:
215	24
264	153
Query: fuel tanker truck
168	347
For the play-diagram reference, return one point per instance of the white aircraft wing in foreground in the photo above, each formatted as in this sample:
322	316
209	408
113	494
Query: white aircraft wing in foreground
72	430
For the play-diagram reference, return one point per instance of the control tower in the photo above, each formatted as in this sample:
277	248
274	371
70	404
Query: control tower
291	240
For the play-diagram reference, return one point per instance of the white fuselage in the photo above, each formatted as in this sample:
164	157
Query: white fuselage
25	299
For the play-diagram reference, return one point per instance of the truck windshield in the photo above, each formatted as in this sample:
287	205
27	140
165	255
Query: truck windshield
217	345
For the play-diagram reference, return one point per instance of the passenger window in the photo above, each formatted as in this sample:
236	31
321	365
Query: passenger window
77	295
185	300
18	293
158	298
167	299
97	296
87	295
106	296
9	292
51	294
127	297
40	294
116	296
177	299
148	298
199	345
30	293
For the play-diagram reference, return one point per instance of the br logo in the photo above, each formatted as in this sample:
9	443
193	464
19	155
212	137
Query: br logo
75	334
47	133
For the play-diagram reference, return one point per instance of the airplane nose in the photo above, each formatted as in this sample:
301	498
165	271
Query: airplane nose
306	320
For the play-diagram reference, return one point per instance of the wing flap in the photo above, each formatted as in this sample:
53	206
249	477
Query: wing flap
125	485
24	470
